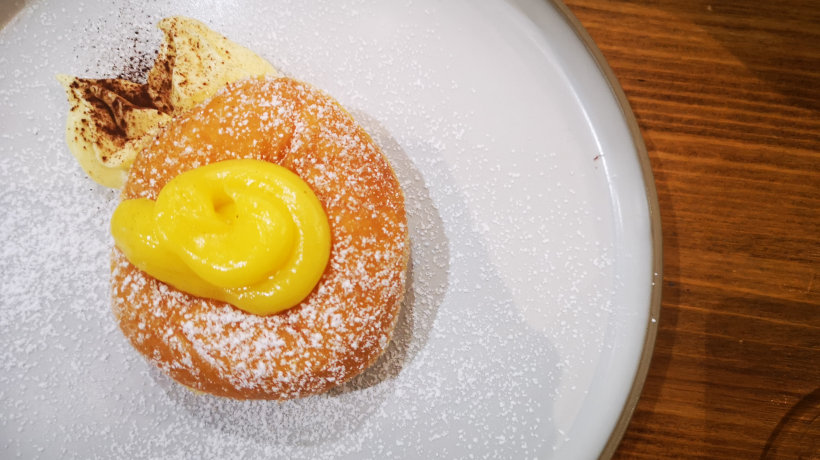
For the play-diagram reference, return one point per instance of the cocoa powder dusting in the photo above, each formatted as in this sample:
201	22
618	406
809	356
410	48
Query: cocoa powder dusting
112	100
132	55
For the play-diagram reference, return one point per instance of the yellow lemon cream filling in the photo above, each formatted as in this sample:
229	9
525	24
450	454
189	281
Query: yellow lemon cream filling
246	232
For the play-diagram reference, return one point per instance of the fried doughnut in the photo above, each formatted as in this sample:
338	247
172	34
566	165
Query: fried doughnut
347	321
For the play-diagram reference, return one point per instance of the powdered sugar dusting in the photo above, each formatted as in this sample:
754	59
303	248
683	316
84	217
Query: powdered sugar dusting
513	306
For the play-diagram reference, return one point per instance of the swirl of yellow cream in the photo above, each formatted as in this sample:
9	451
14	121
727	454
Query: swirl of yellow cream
246	232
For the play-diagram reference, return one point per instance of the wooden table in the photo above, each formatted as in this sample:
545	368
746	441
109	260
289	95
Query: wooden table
727	95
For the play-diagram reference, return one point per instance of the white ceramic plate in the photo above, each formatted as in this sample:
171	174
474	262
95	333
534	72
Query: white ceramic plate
535	244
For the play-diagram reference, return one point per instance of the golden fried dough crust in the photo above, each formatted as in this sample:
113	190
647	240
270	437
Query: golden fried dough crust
348	319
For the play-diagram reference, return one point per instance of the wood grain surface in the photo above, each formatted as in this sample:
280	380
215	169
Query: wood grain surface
727	96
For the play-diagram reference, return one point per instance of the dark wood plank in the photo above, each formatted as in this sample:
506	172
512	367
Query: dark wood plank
727	95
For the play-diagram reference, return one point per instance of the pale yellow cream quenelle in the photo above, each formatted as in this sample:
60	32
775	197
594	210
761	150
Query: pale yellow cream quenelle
112	120
247	232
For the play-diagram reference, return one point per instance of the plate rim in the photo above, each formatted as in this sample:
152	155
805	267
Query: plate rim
651	193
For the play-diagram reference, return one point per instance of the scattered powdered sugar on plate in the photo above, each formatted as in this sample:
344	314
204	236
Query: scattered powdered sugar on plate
511	302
